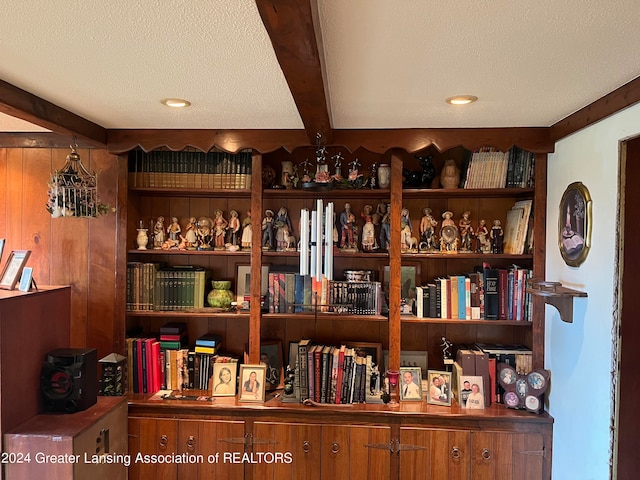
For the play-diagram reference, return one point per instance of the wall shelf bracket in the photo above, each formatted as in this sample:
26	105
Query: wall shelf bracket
555	294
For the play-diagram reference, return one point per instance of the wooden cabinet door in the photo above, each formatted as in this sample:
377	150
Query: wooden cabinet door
506	456
214	459
355	452
148	437
297	443
434	454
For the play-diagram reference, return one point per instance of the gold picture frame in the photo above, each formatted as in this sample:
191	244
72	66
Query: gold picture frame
253	394
574	224
13	268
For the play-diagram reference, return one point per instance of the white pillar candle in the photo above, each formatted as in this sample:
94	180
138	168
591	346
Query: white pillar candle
314	249
318	238
304	241
328	242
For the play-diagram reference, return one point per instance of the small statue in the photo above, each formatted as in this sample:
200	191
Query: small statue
234	228
447	221
283	230
368	230
373	176
382	211
158	233
220	229
428	171
450	175
409	243
190	237
466	232
448	233
204	233
427	230
482	235
246	232
268	224
446	348
496	235
348	225
174	230
337	163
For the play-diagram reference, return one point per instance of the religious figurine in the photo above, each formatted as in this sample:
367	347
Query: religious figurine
220	225
407	240
268	223
482	235
496	235
427	230
190	237
283	230
368	230
204	233
466	232
158	233
234	229
348	226
246	232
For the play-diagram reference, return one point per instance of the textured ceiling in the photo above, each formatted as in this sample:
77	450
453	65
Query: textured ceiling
389	64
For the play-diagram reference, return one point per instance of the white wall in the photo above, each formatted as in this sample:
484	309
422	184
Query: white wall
579	353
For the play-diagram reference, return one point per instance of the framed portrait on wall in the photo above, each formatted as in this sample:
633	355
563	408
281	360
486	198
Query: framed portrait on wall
574	224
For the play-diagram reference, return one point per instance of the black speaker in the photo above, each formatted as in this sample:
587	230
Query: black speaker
69	379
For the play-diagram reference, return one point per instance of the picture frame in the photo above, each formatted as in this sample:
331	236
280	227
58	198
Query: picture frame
224	379
410	384
363	349
243	284
272	357
252	379
411	358
409	278
472	399
13	268
574	224
2	242
439	387
26	280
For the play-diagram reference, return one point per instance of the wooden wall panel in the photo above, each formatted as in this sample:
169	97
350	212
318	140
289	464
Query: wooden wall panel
79	252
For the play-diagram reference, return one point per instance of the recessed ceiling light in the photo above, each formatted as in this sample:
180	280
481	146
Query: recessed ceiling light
461	100
175	102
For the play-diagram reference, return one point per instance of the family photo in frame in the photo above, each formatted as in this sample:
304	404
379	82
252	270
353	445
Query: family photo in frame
252	380
410	384
224	379
439	389
574	224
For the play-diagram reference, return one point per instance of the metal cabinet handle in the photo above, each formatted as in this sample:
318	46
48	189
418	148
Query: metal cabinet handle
486	454
163	442
335	447
191	443
455	453
306	446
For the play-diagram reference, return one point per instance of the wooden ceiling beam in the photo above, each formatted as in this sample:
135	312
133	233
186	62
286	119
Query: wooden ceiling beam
26	106
294	29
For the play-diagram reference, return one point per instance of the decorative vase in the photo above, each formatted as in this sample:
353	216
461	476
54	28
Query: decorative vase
450	175
142	239
221	296
384	176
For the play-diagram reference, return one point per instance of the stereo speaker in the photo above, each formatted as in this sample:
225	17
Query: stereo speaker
69	379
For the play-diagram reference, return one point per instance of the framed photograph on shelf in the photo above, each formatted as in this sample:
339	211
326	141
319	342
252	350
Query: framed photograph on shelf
13	268
363	349
271	357
410	384
225	376
574	224
243	285
439	385
409	277
411	358
471	392
252	380
26	280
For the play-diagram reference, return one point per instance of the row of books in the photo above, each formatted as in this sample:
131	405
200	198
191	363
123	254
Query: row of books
330	374
295	293
491	168
490	294
165	363
185	169
152	287
482	360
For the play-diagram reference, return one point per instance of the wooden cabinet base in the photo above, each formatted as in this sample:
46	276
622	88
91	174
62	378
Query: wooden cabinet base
87	445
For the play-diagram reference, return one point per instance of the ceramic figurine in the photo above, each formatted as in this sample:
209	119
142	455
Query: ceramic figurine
173	230
448	233
368	231
234	229
158	233
497	236
466	232
268	224
204	233
190	237
427	230
450	175
283	229
348	226
385	225
220	225
408	242
246	232
482	238
428	171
